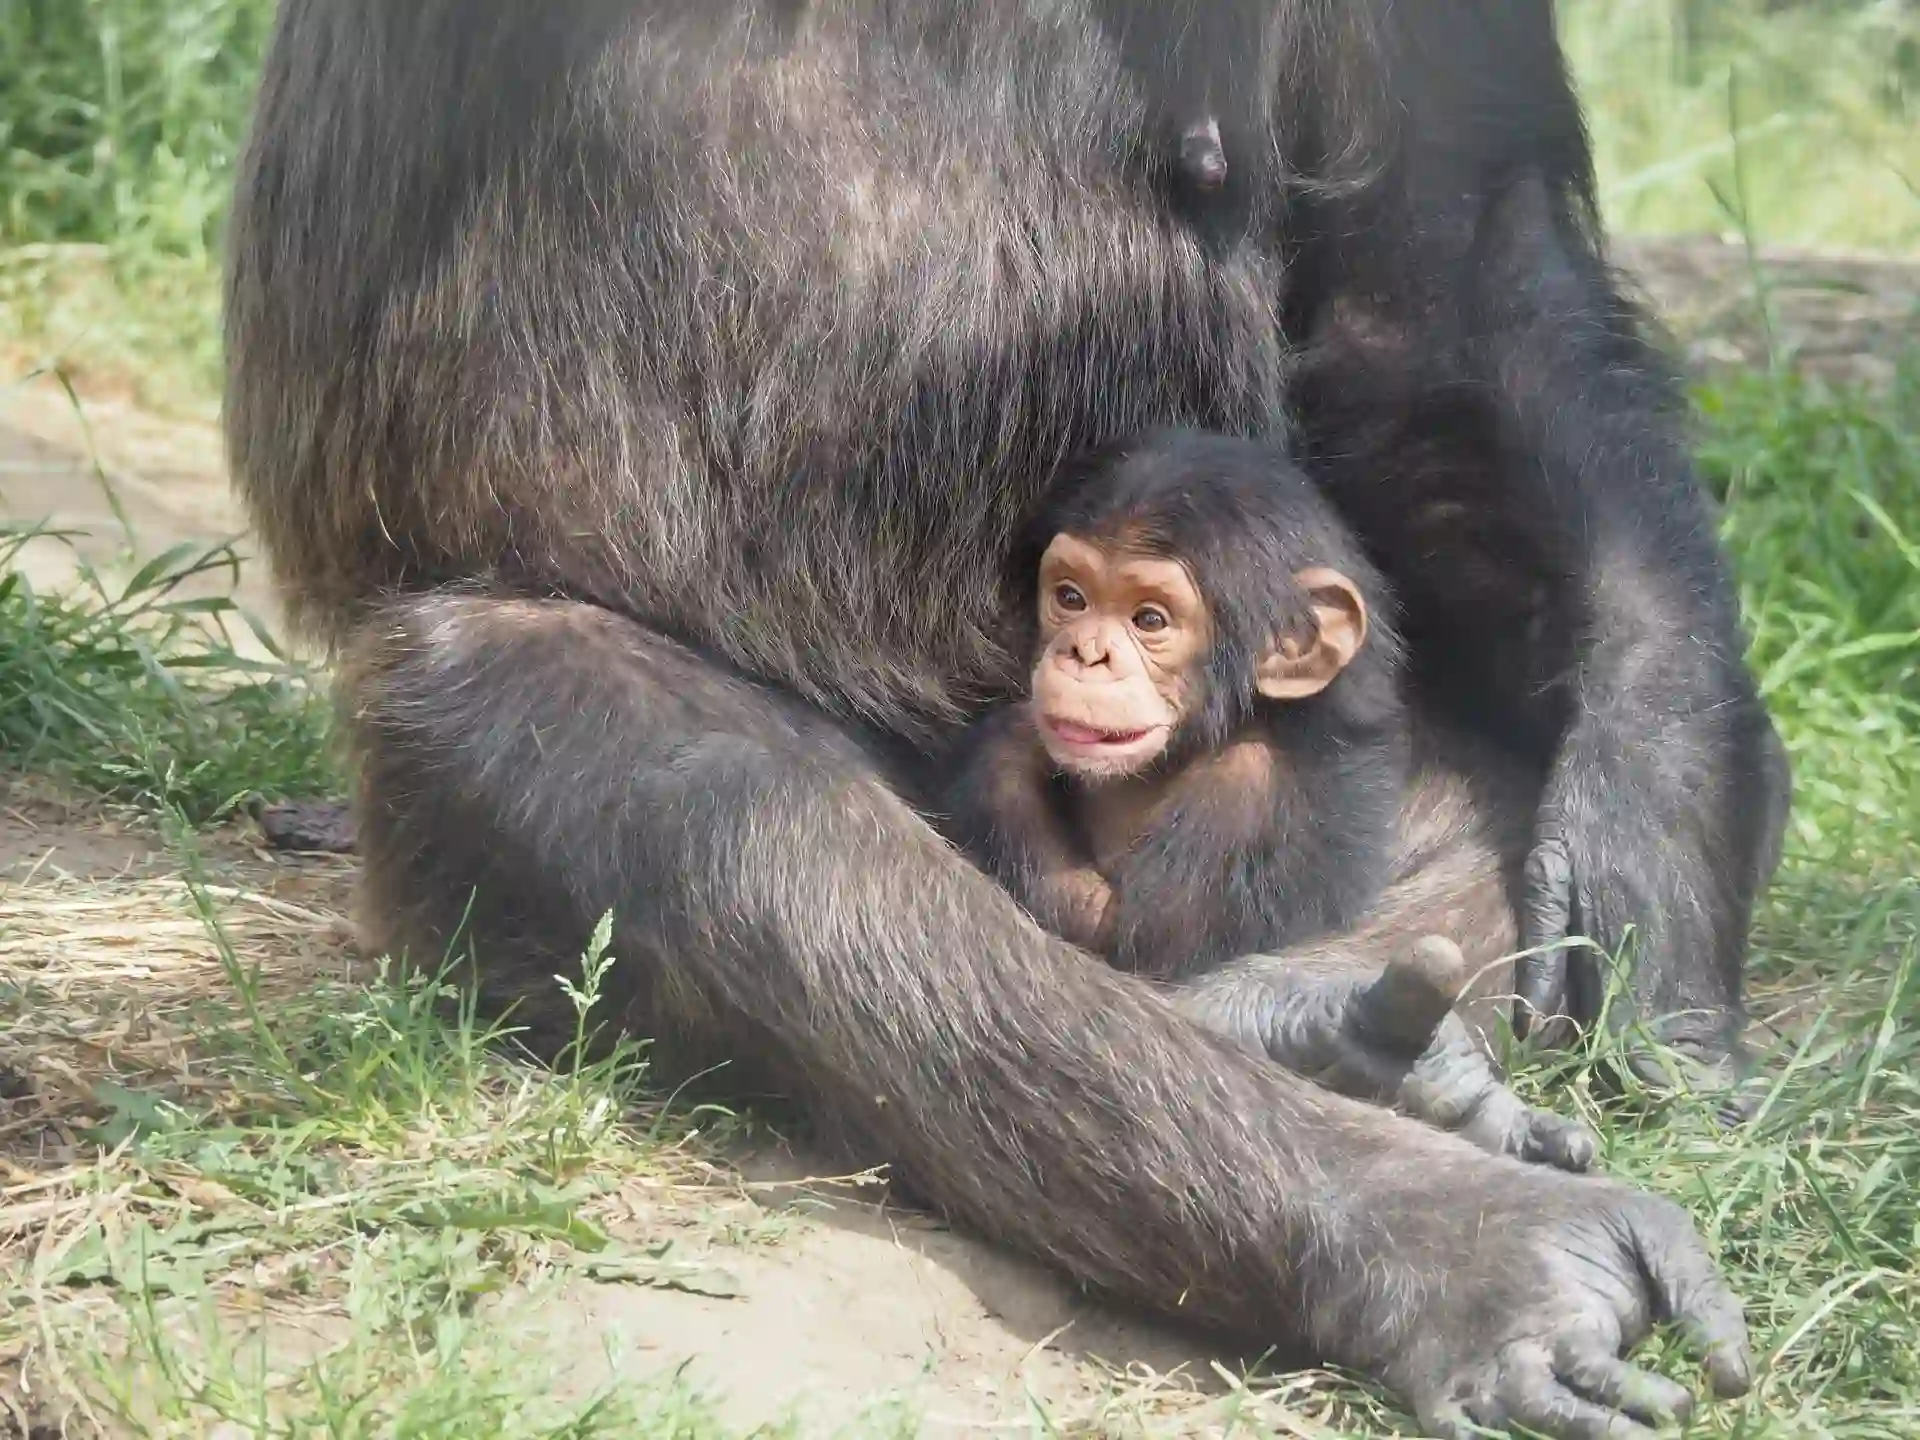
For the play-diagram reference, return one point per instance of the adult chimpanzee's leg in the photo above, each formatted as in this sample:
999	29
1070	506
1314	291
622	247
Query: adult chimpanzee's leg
1476	396
554	761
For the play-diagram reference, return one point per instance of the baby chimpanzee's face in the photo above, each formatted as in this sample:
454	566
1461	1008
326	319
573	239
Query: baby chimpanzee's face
1123	642
1188	583
1125	636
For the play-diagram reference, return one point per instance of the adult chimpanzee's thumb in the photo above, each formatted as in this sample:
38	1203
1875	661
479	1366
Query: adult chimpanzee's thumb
1546	916
1403	1009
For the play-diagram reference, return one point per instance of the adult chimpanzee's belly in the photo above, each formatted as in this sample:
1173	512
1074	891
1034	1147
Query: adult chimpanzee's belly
770	344
892	312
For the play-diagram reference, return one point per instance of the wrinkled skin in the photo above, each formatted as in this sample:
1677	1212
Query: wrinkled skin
1582	1276
1122	638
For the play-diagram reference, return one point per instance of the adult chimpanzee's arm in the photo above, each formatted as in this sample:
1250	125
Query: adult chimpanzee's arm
1476	396
528	766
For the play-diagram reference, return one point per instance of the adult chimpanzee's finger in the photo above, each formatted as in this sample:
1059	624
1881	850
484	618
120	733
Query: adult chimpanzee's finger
1402	1010
1587	1365
1695	1296
1563	1143
1500	1123
1532	1395
1546	915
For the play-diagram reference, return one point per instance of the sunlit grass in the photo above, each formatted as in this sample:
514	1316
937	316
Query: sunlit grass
297	1149
135	692
1819	103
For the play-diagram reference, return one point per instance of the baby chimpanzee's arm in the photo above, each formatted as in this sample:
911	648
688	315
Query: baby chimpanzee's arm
1003	810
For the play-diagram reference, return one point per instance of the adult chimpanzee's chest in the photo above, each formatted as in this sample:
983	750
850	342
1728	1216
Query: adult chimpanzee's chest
918	297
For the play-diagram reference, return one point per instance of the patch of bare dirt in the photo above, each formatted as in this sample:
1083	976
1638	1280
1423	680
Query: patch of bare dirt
859	1303
1841	317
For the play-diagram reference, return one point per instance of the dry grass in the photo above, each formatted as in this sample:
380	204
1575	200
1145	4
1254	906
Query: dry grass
69	943
225	1127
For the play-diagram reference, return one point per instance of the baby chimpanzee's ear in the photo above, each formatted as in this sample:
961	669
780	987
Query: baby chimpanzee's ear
1292	668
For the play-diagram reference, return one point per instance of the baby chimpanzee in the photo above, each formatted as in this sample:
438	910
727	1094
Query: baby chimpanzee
1212	760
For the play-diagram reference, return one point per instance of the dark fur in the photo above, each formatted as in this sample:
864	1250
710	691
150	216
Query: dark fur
1233	863
588	358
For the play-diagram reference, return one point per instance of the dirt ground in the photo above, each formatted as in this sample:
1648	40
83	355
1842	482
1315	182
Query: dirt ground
1842	317
856	1298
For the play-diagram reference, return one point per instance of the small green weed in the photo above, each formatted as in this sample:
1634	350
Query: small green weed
138	693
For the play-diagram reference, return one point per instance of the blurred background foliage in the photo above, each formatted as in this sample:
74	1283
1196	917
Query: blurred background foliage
1818	100
118	118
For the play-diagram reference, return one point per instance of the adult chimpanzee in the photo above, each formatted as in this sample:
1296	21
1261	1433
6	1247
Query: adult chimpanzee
644	395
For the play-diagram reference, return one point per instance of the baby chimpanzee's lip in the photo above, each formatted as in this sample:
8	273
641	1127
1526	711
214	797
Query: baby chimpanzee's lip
1074	733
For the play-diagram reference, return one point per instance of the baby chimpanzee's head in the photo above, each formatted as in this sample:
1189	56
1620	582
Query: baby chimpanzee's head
1181	584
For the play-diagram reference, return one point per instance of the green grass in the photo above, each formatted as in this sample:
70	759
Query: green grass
119	121
1822	496
138	694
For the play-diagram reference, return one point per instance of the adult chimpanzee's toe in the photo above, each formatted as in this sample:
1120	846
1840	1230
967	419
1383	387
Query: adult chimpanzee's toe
1560	1142
322	826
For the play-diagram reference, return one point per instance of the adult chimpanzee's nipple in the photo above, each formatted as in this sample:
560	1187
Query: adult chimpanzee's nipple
1203	159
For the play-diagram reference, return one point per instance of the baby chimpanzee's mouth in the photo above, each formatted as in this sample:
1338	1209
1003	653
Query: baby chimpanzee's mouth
1074	733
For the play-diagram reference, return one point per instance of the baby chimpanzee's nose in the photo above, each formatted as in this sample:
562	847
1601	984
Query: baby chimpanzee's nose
1090	646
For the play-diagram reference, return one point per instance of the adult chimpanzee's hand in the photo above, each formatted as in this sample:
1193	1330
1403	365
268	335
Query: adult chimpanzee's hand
1618	856
1564	1275
1391	1040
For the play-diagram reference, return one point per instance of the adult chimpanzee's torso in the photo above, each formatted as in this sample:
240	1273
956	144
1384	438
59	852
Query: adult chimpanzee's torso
875	296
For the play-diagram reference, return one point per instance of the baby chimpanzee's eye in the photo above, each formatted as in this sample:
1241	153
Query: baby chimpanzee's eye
1149	618
1068	597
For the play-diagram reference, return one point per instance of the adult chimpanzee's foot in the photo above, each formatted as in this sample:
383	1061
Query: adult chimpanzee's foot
322	826
1389	1038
